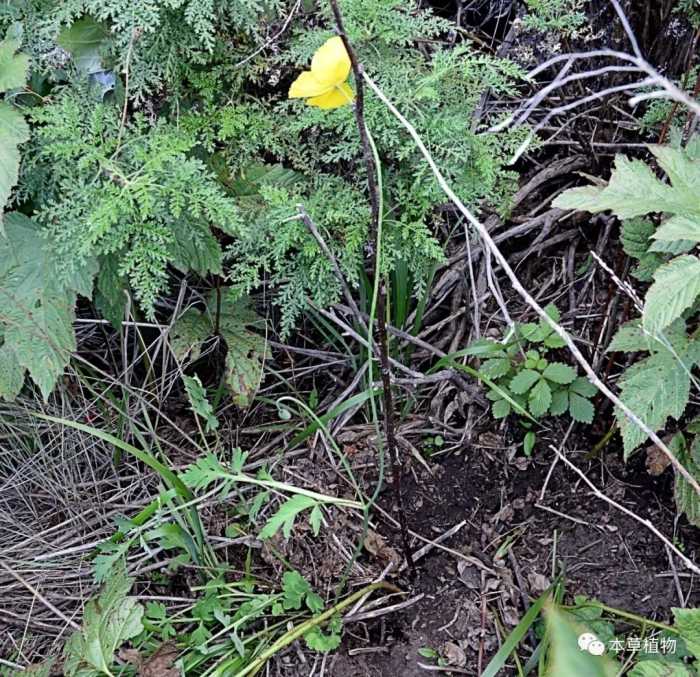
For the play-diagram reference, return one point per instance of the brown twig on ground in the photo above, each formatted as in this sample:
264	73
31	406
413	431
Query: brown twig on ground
392	447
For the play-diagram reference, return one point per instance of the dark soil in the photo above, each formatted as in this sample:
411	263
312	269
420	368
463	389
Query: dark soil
464	608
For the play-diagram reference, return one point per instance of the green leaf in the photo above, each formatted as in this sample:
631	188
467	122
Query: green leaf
655	389
11	374
687	622
108	622
13	67
567	659
676	286
529	443
188	333
636	236
580	408
83	39
524	380
582	386
37	304
687	499
559	373
495	368
679	227
500	409
533	332
320	641
630	338
655	668
633	190
286	515
294	588
199	403
560	402
246	350
540	398
315	519
13	132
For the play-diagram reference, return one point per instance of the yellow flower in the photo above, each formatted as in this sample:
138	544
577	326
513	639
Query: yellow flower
325	84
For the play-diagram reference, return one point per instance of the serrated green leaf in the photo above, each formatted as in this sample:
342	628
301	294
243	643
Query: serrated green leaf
560	402
554	341
495	368
524	380
674	248
532	331
580	408
687	622
583	387
655	389
636	236
11	374
13	66
37	304
188	333
14	131
687	499
315	519
679	227
246	349
559	372
676	286
500	409
633	190
630	338
320	641
285	516
108	622
540	398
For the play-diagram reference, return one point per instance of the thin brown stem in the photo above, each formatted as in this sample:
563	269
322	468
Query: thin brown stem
383	343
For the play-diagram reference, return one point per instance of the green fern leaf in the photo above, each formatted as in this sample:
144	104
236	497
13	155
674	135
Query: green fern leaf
676	286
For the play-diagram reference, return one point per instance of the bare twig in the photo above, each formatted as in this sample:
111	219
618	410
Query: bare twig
599	494
525	295
392	447
40	597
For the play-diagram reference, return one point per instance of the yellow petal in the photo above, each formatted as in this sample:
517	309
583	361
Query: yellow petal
331	63
307	85
335	98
